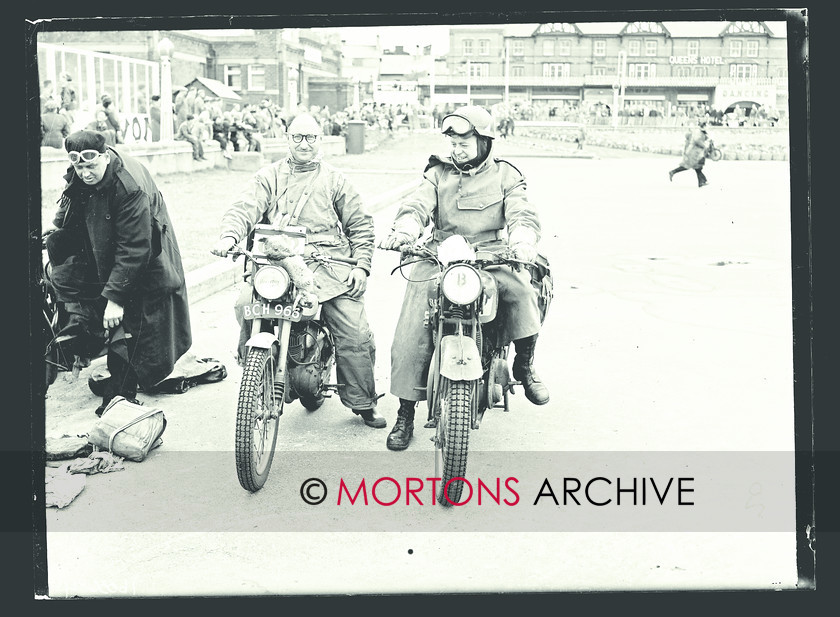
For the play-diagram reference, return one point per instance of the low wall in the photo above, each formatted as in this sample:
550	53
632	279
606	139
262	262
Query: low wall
735	143
162	158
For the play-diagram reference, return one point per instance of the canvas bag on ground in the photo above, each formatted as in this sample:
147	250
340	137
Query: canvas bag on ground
128	430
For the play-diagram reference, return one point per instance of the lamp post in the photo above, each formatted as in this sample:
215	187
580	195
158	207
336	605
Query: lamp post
618	86
469	77
167	128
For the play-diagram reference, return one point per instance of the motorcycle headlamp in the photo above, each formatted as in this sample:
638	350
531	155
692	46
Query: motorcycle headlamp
271	282
461	284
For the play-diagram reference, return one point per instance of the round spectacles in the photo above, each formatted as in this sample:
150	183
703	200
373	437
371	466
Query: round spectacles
85	156
310	139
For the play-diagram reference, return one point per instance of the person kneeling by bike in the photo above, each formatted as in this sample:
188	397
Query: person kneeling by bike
116	268
474	195
303	190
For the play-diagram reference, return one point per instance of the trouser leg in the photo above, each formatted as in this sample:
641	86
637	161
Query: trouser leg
701	177
355	351
411	349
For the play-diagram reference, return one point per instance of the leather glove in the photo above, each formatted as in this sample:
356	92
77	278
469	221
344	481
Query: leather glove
222	246
396	239
525	252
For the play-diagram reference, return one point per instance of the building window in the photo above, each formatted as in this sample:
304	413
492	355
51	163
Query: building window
479	69
701	71
468	47
735	49
743	71
650	48
693	48
683	71
484	47
517	71
548	47
564	47
256	77
641	70
600	47
233	76
599	70
517	48
752	49
781	71
634	47
556	69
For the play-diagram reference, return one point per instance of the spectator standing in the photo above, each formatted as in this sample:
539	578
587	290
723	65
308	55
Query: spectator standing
180	108
221	133
113	117
189	100
67	97
54	126
154	117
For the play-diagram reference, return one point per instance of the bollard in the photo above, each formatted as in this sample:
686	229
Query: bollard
355	137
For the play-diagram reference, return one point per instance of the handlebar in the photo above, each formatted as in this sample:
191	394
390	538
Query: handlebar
236	251
422	253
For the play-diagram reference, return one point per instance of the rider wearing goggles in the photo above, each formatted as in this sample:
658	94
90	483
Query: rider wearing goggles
85	156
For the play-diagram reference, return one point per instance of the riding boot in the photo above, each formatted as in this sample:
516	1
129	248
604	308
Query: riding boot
523	370
401	434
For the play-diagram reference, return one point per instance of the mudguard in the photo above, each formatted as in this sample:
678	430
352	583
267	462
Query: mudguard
263	340
460	359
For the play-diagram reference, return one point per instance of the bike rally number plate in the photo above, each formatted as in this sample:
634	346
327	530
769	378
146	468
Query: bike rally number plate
266	310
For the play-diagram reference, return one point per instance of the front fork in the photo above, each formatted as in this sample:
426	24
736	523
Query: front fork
279	337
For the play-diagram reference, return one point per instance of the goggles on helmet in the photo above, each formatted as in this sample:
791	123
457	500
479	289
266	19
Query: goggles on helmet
456	124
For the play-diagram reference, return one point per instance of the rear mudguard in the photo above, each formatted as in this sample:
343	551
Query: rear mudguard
460	359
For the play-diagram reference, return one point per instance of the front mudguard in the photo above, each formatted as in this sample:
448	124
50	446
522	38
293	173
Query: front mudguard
263	340
460	358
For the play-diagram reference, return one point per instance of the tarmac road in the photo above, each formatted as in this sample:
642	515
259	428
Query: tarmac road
669	335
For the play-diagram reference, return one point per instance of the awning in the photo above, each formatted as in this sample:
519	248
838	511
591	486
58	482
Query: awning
692	97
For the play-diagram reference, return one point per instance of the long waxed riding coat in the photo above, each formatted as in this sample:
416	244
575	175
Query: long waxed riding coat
137	260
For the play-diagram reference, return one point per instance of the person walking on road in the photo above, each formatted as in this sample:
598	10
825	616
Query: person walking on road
472	194
694	153
303	187
116	267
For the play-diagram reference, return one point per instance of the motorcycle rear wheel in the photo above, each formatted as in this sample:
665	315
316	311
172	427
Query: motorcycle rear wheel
258	411
453	437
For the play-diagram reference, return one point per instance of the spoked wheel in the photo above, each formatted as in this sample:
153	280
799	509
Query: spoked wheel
715	154
453	436
257	413
55	360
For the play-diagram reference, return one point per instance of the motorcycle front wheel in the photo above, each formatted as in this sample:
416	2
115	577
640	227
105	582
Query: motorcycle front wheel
257	414
453	437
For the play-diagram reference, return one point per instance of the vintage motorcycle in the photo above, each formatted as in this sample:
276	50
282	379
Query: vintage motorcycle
290	353
469	372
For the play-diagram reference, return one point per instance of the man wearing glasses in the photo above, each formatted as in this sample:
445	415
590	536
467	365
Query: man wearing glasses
116	268
472	194
303	190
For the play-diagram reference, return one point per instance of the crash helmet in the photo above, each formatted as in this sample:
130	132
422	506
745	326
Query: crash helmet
466	119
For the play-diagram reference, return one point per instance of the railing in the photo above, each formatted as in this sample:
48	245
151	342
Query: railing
130	82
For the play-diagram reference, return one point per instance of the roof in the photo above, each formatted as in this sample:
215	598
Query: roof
218	88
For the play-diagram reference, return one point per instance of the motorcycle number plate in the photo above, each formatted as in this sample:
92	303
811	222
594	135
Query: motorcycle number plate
270	310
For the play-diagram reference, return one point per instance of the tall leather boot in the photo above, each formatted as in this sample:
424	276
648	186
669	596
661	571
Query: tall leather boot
523	370
400	435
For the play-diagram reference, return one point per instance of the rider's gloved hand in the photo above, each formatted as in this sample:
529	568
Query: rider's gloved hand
523	242
525	252
396	239
222	246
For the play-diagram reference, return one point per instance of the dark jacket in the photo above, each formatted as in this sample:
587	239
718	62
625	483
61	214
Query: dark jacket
137	260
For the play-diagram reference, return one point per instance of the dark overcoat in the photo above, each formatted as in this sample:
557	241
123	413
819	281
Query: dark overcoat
136	258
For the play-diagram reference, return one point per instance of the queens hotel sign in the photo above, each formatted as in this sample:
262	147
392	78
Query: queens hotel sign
695	59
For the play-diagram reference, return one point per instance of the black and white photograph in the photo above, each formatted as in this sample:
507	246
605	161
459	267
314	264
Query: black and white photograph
255	373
